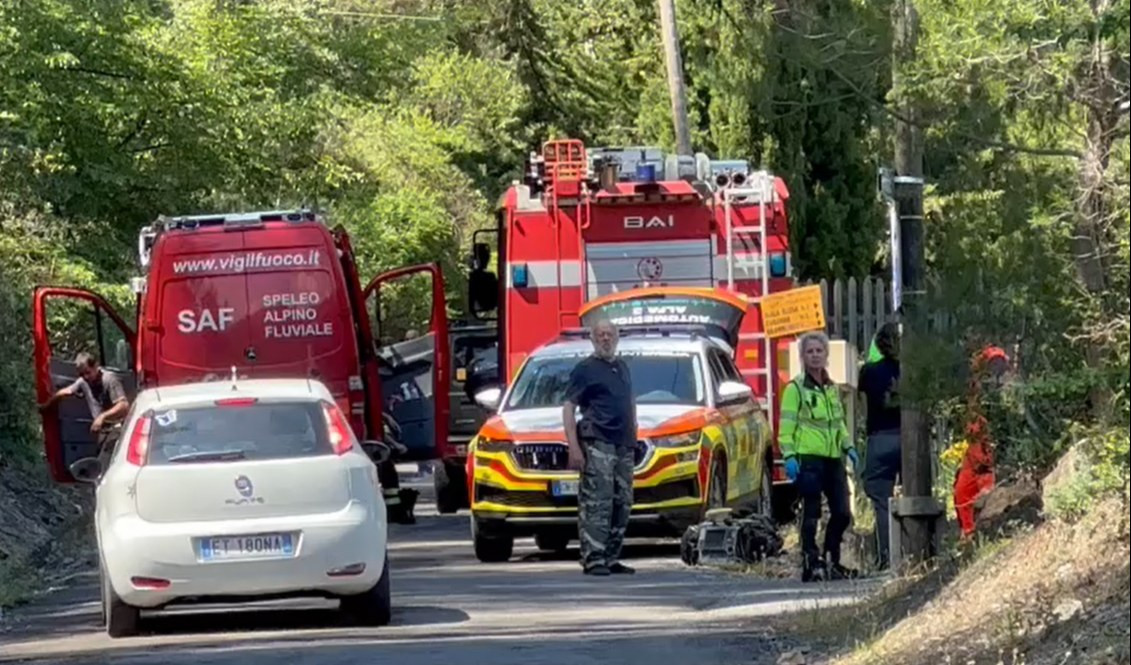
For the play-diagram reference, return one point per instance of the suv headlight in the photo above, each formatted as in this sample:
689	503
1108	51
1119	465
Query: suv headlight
488	445
678	440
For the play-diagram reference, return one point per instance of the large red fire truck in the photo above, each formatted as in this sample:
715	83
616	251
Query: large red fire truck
585	223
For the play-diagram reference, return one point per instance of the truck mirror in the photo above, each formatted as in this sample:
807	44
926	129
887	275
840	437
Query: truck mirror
480	256
377	451
483	290
490	398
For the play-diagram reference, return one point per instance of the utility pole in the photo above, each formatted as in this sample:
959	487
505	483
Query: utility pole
917	509
669	34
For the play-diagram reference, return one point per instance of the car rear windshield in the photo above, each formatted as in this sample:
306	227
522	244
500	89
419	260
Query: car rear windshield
256	431
657	378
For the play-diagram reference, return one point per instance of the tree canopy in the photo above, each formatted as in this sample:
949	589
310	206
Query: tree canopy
405	120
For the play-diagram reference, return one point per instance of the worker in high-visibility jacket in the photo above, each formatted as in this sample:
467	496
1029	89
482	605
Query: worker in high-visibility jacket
814	441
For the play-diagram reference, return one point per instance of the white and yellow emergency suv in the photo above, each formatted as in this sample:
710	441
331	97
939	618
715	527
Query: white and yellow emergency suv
703	440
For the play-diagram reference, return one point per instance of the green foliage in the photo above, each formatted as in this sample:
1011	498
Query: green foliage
31	253
112	114
406	131
1105	474
1000	87
15	586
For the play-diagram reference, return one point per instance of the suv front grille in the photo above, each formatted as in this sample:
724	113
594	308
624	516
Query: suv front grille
541	456
555	456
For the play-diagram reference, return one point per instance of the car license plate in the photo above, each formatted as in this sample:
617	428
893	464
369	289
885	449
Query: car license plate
258	546
564	487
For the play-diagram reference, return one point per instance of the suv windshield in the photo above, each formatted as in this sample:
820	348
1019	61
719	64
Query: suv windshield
262	431
658	377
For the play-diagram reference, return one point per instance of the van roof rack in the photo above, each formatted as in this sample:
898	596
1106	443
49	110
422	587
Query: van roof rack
235	220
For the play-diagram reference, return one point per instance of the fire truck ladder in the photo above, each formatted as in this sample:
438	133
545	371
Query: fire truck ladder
566	164
759	189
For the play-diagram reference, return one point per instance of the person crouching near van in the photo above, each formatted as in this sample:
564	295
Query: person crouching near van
814	441
105	397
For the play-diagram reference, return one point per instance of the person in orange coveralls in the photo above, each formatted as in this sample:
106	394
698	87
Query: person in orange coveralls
976	475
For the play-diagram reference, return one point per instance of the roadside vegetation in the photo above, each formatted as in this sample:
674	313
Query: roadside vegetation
404	121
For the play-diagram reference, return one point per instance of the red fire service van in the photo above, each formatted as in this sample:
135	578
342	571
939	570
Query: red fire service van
264	294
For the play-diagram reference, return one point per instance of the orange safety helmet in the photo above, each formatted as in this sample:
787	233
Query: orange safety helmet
989	364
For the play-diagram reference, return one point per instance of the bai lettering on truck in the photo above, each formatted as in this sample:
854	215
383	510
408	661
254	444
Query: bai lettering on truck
294	315
654	222
238	262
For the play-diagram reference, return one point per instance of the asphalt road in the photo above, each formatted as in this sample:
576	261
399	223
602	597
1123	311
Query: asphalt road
449	608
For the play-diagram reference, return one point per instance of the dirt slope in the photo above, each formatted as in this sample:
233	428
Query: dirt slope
1056	594
42	530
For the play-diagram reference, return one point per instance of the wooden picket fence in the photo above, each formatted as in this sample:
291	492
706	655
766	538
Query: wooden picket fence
856	309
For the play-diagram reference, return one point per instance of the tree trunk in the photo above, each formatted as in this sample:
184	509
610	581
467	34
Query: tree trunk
1099	96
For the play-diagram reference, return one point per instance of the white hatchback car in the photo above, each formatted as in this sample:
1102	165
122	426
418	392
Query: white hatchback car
241	491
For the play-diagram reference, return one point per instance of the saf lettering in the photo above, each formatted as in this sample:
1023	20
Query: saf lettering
190	322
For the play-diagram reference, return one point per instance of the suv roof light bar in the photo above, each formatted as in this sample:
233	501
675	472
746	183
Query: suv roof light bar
693	330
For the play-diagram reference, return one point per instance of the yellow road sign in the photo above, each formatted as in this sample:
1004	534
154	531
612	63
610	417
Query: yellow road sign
793	312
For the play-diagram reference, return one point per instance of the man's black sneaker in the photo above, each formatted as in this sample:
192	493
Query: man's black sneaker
815	573
600	571
839	572
619	568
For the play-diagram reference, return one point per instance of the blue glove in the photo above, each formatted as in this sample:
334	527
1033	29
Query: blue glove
854	457
792	469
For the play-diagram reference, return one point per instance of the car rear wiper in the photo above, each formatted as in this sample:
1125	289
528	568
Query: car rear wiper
209	456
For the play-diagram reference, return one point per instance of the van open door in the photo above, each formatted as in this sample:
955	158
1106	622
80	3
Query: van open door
412	343
67	322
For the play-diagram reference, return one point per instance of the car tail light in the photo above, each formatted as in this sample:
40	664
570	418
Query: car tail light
150	583
237	401
138	450
341	438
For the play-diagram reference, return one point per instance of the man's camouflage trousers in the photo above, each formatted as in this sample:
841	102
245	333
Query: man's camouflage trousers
604	502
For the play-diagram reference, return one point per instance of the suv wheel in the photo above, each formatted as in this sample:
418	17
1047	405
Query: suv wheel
766	492
552	541
491	547
451	492
717	496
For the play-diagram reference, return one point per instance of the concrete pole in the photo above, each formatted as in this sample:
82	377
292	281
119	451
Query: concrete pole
917	505
669	34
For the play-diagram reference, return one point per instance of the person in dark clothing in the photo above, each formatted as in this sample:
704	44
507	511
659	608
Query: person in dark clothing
604	442
879	381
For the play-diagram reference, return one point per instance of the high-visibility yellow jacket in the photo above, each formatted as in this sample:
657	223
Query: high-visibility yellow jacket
812	420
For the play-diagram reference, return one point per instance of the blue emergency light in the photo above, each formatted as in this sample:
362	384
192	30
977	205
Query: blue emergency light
519	276
778	265
645	172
